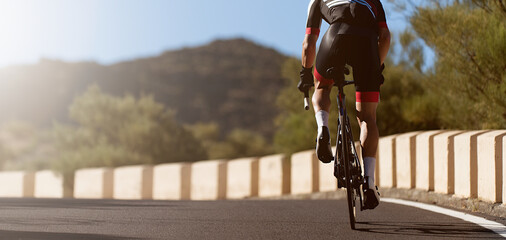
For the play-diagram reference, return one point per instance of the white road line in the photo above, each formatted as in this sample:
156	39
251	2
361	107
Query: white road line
491	225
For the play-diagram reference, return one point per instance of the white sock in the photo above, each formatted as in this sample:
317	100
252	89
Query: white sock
369	166
322	119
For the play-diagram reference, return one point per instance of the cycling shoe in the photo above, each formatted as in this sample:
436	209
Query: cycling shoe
323	150
371	195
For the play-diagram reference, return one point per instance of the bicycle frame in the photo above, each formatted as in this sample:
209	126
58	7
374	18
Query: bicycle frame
343	118
350	162
345	148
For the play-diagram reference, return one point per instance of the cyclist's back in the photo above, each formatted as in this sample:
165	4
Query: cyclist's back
360	16
359	21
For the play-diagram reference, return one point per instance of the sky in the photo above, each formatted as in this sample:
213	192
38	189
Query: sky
109	31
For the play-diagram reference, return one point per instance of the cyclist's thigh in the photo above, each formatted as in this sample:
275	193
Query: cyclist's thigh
363	56
328	56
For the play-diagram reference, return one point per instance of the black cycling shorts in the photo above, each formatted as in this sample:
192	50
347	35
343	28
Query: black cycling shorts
360	52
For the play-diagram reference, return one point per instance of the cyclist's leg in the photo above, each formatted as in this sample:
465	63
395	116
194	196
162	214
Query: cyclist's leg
321	99
325	59
369	135
364	58
321	105
329	55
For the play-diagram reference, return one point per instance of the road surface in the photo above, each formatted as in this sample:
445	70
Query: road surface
245	219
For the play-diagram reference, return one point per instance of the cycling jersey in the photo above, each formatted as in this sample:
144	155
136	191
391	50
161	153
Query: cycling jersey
351	39
358	14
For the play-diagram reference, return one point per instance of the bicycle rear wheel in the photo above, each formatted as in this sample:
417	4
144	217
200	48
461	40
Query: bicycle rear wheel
350	191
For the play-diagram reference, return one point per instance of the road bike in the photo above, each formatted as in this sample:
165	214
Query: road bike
347	168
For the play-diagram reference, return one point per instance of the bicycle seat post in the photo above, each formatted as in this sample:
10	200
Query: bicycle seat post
338	81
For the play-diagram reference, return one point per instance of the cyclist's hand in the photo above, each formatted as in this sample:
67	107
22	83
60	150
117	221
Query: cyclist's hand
306	79
382	78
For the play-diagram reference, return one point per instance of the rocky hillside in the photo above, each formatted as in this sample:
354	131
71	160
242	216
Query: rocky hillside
231	82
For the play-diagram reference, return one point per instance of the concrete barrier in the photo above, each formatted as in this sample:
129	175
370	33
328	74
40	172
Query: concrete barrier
48	184
274	176
425	160
327	182
17	184
304	172
466	164
387	161
243	175
405	154
490	176
171	181
209	180
504	170
133	182
93	183
444	162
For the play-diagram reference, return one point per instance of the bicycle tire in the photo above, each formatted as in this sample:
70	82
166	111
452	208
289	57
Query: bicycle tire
358	179
350	191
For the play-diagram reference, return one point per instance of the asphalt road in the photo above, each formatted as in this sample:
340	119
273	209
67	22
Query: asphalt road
281	219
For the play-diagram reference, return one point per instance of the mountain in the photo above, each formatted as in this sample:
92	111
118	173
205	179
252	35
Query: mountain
231	82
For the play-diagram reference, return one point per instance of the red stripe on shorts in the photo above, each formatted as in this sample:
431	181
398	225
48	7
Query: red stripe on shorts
324	81
367	96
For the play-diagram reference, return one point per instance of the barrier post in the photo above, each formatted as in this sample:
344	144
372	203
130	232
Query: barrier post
405	151
425	160
133	182
466	165
304	172
94	183
48	184
209	180
274	176
490	169
242	175
171	181
387	161
444	162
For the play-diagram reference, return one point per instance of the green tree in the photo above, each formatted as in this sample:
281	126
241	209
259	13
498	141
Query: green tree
468	81
114	131
296	129
238	143
24	147
406	104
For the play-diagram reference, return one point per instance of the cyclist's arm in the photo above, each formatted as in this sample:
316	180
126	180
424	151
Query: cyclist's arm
309	50
383	43
383	34
313	24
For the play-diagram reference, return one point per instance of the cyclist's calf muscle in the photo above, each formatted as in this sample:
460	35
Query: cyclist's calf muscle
369	135
321	99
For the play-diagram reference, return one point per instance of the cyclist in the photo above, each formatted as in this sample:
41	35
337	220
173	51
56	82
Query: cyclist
358	35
